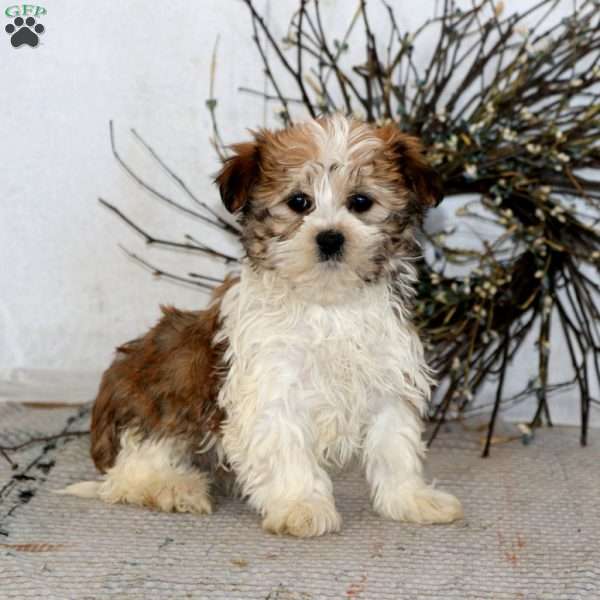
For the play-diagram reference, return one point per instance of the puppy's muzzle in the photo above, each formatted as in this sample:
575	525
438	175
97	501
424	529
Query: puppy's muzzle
330	243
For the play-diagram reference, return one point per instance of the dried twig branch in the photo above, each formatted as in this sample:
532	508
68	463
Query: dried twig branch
43	440
151	240
4	450
201	281
220	222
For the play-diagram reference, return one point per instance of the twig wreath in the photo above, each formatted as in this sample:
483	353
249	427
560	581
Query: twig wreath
509	108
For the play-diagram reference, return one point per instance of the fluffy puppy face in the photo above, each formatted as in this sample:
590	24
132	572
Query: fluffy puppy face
330	202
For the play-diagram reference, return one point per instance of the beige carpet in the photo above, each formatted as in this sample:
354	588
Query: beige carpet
532	530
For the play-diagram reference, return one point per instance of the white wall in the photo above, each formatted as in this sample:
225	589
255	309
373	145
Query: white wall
68	294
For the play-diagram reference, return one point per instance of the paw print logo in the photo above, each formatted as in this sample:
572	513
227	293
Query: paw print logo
24	32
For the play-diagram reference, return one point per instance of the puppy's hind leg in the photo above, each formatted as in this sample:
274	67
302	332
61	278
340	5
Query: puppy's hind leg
152	472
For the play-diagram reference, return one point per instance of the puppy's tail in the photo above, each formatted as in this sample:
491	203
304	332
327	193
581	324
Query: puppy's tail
83	489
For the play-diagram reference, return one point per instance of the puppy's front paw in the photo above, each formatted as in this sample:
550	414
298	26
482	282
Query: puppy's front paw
419	503
306	518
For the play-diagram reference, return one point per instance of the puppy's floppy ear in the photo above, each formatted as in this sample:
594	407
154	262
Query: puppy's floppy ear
238	174
409	156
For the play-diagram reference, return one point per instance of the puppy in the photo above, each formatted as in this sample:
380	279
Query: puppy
303	362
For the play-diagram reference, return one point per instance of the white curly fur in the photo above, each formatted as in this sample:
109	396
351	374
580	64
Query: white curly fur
309	386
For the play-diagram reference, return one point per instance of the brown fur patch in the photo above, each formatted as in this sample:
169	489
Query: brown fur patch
162	384
237	176
406	153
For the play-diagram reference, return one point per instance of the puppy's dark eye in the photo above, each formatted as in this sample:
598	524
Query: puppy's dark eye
299	202
359	203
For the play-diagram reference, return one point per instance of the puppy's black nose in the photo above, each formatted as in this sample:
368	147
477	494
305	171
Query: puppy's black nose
330	243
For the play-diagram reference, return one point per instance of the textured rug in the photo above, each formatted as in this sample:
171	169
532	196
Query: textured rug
532	530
